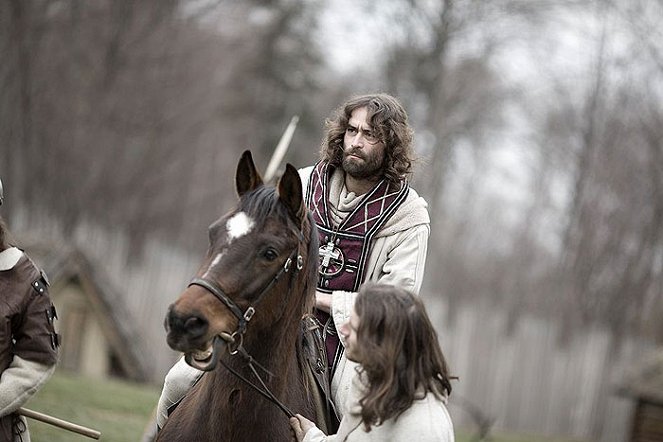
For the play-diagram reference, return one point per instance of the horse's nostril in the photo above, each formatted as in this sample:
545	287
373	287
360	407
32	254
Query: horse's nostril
195	326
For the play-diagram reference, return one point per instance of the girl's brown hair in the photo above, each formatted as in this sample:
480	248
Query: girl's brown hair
401	356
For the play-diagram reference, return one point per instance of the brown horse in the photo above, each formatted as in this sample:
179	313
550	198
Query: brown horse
254	285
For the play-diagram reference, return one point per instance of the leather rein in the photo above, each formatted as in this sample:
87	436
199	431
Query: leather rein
235	340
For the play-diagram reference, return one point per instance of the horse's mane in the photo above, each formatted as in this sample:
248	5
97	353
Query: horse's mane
261	203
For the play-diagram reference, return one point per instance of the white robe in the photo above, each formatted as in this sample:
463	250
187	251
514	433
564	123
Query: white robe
398	257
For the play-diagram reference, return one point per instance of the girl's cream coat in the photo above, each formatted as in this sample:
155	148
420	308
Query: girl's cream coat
427	420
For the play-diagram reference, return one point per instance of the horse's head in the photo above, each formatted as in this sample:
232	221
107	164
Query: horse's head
259	269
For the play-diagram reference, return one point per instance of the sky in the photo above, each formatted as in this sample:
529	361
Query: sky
561	46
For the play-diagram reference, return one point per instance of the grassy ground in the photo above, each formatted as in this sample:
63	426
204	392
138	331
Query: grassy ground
468	437
121	410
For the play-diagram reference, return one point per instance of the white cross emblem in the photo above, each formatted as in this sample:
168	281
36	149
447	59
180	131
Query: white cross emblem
329	252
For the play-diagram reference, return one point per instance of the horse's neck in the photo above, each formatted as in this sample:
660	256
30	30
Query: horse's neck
239	402
274	349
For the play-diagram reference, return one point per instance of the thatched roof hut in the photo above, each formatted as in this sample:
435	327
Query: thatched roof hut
97	339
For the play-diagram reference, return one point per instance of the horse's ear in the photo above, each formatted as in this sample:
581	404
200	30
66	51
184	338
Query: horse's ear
290	193
247	177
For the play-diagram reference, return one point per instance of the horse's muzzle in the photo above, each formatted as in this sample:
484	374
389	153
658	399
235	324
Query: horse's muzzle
186	332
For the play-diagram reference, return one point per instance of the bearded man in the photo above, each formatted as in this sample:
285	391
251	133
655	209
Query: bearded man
373	226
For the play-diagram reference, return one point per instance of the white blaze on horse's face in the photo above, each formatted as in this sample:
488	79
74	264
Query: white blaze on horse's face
239	225
214	262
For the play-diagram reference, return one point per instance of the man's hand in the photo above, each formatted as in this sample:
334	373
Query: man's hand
300	425
323	301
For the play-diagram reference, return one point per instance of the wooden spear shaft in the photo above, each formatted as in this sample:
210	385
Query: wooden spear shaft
281	149
94	434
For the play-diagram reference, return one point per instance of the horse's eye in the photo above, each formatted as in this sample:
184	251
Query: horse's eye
270	254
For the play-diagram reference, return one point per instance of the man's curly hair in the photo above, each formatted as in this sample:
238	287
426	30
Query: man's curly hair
388	120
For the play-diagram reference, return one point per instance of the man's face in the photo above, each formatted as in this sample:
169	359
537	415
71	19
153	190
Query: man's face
363	152
349	332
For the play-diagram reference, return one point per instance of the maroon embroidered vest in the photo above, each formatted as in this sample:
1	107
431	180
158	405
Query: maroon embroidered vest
344	249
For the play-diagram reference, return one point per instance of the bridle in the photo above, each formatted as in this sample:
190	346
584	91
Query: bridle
235	340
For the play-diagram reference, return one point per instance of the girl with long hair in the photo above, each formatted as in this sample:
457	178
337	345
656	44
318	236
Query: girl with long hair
402	383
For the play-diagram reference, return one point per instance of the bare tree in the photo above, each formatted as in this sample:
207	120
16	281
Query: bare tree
128	112
608	273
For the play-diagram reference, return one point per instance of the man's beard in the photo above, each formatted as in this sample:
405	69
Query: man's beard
370	167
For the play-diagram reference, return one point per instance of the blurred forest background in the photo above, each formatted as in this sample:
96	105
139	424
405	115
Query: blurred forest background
539	127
